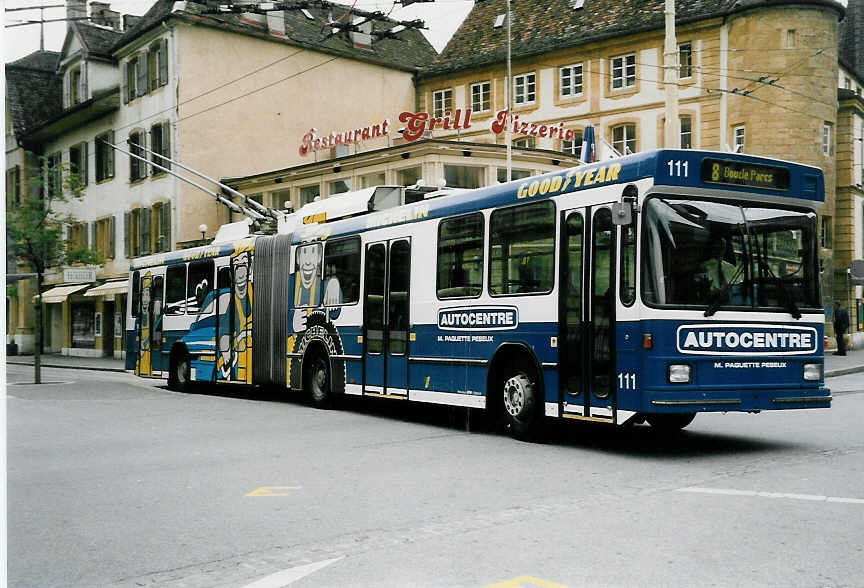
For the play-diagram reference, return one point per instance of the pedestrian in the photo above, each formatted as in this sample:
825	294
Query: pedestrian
841	323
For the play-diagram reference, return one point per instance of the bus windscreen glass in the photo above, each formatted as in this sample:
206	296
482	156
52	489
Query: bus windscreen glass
716	255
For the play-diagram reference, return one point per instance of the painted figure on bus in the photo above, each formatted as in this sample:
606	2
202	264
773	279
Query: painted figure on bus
307	284
144	358
242	330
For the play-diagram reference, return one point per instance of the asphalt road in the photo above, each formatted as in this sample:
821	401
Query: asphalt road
114	482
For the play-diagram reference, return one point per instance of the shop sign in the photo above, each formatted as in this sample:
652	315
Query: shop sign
418	123
79	275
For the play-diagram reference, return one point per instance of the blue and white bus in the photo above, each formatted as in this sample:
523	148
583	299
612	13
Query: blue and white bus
649	287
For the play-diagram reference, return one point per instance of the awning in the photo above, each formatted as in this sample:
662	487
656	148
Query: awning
112	287
60	293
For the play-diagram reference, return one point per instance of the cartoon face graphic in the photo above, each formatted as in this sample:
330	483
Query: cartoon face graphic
145	298
308	259
241	274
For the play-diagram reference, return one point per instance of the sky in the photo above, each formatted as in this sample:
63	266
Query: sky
442	18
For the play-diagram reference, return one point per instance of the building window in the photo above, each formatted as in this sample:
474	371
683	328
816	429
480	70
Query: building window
463	176
522	249
160	143
624	138
480	97
157	64
77	236
623	71
525	89
408	176
515	174
685	60
131	79
525	142
460	256
738	137
78	162
309	194
13	186
54	174
827	235
573	147
340	186
686	132
76	87
826	139
137	232
137	167
790	39
570	80
104	156
442	101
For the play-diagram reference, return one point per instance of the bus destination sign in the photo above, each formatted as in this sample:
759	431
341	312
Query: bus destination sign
739	173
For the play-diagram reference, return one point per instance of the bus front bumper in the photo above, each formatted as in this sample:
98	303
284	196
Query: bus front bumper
739	400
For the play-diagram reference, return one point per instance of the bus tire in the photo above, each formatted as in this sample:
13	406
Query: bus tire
520	403
670	422
316	380
180	376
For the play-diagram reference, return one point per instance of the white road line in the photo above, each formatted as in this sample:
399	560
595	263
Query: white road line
811	497
291	575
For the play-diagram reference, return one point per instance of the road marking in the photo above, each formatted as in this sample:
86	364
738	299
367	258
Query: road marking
291	575
273	490
811	497
525	582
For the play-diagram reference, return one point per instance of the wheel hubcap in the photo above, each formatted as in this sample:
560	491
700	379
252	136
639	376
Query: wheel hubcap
514	395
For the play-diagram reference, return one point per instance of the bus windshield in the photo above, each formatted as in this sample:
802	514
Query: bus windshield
722	255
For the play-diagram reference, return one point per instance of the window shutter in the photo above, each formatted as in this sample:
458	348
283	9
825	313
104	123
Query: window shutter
145	233
155	147
93	244
124	83
133	161
127	235
166	143
84	163
112	234
83	82
85	235
109	173
66	98
141	70
165	226
163	62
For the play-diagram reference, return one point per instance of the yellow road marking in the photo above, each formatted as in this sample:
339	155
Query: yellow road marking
273	490
525	582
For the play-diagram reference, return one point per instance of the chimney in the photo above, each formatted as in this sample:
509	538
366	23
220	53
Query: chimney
76	9
362	39
130	21
276	21
103	15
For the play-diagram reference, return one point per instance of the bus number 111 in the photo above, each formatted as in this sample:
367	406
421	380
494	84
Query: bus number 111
677	167
626	381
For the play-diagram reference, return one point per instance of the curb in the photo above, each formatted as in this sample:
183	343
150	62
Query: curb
70	367
844	371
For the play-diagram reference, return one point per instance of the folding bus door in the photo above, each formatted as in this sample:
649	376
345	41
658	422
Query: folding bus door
386	318
587	315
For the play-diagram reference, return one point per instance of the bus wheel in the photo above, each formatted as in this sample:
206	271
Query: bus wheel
520	404
670	422
179	378
316	381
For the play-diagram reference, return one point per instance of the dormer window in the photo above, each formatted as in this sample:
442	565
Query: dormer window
76	95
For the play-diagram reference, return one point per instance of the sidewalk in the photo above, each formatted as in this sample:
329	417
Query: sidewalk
104	364
852	363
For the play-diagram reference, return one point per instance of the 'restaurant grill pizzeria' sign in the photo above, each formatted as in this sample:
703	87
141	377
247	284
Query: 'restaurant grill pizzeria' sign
417	123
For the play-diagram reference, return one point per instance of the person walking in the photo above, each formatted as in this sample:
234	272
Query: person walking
841	323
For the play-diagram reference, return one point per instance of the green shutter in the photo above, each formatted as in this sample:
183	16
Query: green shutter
165	226
141	73
163	62
145	233
166	143
127	235
112	234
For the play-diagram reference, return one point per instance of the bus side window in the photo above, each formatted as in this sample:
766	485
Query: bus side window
175	289
628	264
136	294
199	285
342	272
522	249
460	257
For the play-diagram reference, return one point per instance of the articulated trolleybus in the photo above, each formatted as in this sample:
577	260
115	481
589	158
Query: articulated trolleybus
649	287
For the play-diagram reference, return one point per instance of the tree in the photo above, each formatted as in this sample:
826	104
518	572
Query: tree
37	229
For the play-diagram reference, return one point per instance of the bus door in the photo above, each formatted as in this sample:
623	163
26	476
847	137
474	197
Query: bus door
587	315
386	318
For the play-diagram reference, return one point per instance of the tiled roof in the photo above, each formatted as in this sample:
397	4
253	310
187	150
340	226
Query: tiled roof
33	90
852	37
98	40
539	27
409	51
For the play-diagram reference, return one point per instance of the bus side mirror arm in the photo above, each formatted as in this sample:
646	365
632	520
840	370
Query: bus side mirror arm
622	213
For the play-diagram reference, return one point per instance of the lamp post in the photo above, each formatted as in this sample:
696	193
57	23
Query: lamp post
203	228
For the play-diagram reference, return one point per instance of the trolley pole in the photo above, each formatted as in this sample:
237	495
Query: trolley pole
672	126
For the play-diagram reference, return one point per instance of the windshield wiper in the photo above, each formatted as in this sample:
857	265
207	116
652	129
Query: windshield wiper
790	302
723	293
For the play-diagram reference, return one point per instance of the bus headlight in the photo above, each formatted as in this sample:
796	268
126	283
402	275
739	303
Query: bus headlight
813	372
679	373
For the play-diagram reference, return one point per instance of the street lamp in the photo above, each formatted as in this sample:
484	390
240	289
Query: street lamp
203	228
